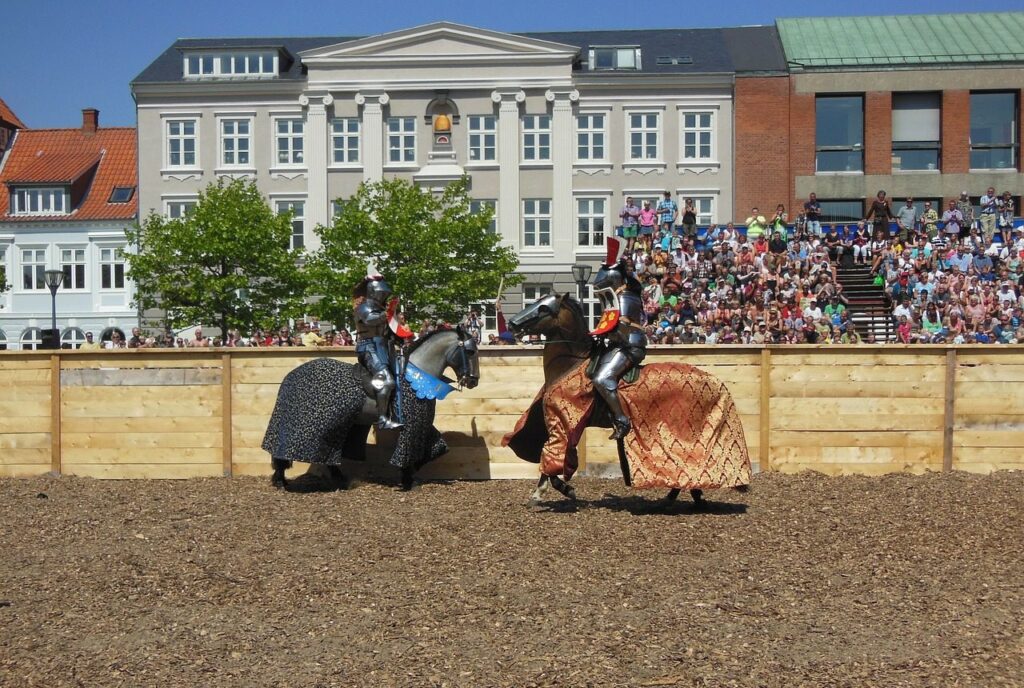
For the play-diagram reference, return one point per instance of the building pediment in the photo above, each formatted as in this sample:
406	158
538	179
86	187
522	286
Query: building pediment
441	42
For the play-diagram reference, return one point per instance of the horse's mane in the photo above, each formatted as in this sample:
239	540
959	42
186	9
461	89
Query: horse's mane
576	308
419	342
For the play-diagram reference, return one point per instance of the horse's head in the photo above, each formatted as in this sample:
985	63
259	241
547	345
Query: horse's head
464	359
540	317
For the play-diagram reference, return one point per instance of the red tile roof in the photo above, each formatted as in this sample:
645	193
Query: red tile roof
62	155
7	115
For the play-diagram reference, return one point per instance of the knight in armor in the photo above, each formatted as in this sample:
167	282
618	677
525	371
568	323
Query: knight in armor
376	344
620	330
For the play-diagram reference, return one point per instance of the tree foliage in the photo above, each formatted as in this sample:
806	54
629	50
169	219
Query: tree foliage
437	255
227	262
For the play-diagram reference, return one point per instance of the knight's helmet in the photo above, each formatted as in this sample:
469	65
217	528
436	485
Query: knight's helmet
612	274
377	290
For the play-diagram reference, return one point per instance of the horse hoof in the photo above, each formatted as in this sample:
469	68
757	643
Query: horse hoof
279	483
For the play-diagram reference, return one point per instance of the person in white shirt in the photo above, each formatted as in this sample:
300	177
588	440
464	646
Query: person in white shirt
989	210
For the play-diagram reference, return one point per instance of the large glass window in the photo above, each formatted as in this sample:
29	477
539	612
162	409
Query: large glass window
181	143
345	140
401	139
705	207
72	338
841	211
33	265
590	137
994	136
288	133
298	211
839	133
916	131
536	138
39	201
111	268
590	218
477	206
614	57
177	209
643	135
31	339
698	135
536	222
235	142
72	262
483	138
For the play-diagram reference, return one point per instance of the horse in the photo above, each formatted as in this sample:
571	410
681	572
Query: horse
663	455
323	413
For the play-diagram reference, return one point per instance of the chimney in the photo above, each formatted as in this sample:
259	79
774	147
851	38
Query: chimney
90	120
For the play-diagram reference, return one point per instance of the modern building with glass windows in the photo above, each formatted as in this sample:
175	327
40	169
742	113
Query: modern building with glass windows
67	197
553	129
921	106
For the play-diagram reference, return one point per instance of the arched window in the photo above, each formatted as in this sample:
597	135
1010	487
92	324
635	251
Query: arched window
106	334
3	340
72	338
31	339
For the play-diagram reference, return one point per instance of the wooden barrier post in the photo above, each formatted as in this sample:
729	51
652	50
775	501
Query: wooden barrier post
766	395
55	460
949	417
225	387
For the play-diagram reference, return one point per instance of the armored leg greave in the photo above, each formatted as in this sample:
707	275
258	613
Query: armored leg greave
606	383
384	386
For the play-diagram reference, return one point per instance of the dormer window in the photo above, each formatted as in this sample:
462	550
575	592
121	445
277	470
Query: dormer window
121	194
614	58
40	201
247	64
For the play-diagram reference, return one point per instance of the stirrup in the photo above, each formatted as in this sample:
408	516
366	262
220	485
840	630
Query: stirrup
620	428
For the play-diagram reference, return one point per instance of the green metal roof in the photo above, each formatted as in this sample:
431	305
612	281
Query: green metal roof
903	40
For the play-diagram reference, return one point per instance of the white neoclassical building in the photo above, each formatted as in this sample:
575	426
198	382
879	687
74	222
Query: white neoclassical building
554	129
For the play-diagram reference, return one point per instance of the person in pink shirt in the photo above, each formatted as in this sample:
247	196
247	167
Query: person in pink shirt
648	218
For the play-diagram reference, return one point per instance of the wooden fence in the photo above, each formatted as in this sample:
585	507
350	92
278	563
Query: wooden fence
835	409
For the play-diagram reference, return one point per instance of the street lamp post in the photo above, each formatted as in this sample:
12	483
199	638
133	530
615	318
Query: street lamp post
581	275
54	278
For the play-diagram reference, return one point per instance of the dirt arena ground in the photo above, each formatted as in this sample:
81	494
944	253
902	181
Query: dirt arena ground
805	581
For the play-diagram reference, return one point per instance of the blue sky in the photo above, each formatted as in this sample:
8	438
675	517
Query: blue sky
60	56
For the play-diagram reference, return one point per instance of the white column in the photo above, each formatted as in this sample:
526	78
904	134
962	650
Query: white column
372	134
563	236
509	203
316	143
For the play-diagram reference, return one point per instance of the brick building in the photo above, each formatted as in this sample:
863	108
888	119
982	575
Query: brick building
922	106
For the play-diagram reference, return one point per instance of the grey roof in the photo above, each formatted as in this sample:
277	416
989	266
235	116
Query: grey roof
713	51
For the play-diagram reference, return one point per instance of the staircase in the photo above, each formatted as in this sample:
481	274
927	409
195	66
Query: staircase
869	309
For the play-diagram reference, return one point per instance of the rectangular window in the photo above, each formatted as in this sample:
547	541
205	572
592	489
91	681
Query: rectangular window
839	133
698	135
72	262
248	64
916	131
478	206
298	211
401	140
532	292
39	201
590	218
199	65
536	222
235	142
345	140
614	57
121	194
181	143
705	207
592	310
590	137
994	135
643	135
483	138
536	138
288	133
178	209
111	268
33	265
842	211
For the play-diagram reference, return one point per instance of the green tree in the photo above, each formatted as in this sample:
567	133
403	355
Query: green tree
437	255
227	262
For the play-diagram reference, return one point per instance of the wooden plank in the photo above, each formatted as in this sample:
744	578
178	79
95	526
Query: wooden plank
226	397
993	355
141	440
185	394
839	407
988	438
1010	393
765	439
892	389
949	397
10	361
120	408
25	440
1007	457
14	424
989	372
796	356
786	374
842	438
838	469
55	400
140	377
26	470
145	424
30	377
114	362
125	456
26	408
27	455
164	471
863	422
931	455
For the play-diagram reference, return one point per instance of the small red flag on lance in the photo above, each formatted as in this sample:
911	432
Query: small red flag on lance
398	327
610	318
